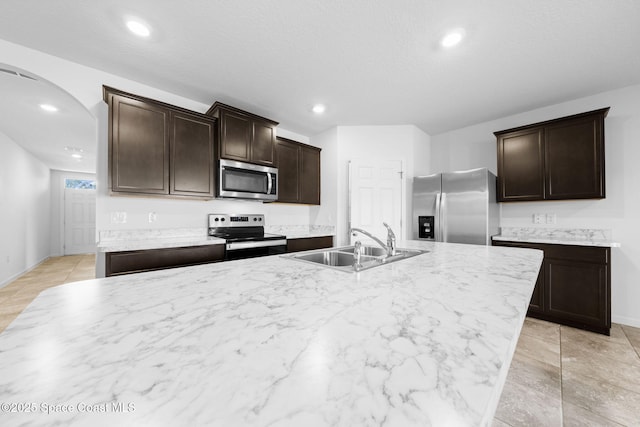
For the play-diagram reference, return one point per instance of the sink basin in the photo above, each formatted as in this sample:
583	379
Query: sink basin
366	250
332	258
342	258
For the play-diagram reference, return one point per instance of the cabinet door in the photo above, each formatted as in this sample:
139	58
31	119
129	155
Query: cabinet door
577	292
235	136
263	144
575	159
536	305
138	146
521	165
309	175
287	154
192	157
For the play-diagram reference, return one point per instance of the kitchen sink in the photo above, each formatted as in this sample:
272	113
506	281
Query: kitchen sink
342	258
332	258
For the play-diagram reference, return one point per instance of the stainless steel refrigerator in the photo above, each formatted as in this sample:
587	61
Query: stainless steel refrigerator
456	207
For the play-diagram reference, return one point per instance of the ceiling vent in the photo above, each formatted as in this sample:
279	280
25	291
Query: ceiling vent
17	74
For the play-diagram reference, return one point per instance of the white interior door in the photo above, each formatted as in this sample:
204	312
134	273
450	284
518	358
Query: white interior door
79	221
375	197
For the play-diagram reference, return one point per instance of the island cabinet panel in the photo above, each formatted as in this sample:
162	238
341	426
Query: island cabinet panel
192	155
298	172
159	149
554	160
244	136
127	262
139	146
573	287
309	243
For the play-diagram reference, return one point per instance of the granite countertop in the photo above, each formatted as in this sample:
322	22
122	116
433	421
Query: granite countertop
559	236
132	240
274	341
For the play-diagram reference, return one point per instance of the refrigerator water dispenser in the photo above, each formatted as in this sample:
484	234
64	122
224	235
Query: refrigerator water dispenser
425	227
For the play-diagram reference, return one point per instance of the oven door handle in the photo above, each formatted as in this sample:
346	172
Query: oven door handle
260	244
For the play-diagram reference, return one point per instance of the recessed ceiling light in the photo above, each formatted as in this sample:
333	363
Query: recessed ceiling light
452	38
49	108
138	28
76	156
319	108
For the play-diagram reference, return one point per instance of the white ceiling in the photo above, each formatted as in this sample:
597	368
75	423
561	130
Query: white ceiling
51	137
372	62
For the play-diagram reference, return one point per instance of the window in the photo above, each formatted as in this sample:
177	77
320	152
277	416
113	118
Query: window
80	184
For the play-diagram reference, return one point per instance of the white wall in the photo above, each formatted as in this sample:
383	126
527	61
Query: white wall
24	210
406	143
85	84
57	207
475	146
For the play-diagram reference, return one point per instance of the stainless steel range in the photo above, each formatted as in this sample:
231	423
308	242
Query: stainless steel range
245	236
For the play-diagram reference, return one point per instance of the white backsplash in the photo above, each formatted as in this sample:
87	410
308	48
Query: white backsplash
557	233
150	234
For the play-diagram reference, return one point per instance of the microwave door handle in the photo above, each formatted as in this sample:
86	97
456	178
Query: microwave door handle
269	183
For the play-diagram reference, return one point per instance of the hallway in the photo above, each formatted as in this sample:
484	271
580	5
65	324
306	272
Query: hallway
54	271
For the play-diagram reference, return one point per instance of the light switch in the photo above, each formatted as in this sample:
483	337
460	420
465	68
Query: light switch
153	216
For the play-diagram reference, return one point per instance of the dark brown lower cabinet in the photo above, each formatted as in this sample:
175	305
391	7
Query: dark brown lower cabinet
127	262
574	286
309	243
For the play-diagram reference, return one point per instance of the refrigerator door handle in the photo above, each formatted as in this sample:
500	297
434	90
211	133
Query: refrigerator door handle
437	219
443	217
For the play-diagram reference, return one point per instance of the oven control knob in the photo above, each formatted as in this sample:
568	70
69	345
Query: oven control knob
222	219
217	219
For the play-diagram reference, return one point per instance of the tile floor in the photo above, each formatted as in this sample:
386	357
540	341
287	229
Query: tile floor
15	296
559	376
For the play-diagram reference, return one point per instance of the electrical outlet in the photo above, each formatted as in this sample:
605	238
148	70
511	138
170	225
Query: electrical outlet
537	218
118	217
551	218
153	216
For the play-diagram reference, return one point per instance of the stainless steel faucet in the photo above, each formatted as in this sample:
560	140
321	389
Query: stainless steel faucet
390	247
391	240
357	253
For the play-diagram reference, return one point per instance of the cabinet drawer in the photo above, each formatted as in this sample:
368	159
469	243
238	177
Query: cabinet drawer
599	255
127	262
309	243
588	254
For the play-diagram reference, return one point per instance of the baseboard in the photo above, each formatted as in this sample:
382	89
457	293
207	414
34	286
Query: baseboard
628	321
15	276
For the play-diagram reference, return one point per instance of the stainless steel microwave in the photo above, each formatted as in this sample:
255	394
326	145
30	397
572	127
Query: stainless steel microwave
239	180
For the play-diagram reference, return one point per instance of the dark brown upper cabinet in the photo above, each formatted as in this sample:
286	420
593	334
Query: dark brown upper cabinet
554	160
298	172
159	149
244	136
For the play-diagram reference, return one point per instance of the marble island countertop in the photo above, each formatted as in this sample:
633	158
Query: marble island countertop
426	341
558	236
